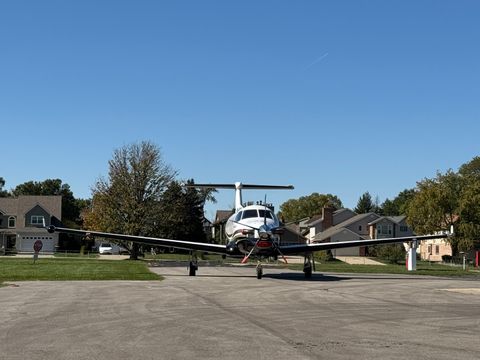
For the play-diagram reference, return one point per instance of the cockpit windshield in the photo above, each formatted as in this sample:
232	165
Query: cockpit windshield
262	214
251	213
254	213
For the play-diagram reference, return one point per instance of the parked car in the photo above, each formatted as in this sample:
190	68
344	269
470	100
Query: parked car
105	248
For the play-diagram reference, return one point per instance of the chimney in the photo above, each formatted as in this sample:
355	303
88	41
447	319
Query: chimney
327	214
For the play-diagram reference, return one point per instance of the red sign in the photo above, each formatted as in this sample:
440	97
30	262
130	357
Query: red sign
37	246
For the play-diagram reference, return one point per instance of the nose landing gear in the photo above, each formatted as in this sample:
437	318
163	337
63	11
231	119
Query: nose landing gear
259	270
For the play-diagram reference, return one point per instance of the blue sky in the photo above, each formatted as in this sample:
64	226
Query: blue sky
335	97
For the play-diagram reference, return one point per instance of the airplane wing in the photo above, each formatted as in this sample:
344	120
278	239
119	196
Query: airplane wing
178	244
308	248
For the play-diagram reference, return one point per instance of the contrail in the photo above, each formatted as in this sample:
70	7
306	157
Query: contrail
317	60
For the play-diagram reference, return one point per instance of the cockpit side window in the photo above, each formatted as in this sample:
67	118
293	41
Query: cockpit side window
250	214
262	214
238	216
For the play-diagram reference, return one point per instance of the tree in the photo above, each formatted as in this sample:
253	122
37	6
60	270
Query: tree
3	193
181	213
365	204
471	169
435	203
398	205
393	253
128	201
307	206
448	199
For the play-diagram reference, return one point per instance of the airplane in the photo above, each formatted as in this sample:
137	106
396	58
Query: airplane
253	231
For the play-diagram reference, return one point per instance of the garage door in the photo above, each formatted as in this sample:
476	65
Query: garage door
26	243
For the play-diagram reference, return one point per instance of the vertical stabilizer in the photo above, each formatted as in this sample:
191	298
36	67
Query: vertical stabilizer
238	196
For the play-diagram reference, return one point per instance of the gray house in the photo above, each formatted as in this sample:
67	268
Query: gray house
20	218
346	225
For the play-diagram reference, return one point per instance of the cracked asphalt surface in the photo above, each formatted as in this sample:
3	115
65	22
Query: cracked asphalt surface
226	313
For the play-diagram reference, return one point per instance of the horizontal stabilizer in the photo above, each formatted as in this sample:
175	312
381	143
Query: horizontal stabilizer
241	186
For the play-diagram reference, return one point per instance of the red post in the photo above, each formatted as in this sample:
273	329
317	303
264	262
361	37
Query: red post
476	258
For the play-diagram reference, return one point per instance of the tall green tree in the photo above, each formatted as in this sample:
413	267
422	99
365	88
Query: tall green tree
365	204
128	201
181	213
307	206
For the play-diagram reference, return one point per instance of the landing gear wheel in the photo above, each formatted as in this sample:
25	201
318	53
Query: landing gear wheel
192	269
308	264
259	271
308	272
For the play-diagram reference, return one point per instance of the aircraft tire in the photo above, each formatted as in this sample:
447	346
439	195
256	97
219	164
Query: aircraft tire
192	270
308	272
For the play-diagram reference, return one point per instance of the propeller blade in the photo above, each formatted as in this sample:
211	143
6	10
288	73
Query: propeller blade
265	211
278	250
245	259
251	227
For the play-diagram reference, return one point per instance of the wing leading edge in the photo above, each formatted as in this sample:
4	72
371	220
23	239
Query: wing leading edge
308	248
178	244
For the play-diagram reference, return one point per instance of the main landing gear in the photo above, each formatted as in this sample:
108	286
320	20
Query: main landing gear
308	266
193	266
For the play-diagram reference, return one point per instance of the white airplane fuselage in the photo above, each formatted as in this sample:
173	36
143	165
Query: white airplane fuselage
244	222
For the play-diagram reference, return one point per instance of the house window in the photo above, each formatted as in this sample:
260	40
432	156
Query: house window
37	220
384	229
430	249
403	228
359	227
437	249
11	222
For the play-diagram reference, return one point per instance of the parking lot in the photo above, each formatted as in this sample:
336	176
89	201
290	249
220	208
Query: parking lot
226	313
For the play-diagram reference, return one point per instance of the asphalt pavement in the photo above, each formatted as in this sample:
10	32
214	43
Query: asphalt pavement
227	313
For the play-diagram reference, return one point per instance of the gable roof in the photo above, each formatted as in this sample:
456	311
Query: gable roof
316	219
342	226
334	231
396	219
222	215
19	206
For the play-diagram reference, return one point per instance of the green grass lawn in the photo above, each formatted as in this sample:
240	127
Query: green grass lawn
423	268
14	269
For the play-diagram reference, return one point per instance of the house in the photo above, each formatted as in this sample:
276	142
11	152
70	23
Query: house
346	225
330	217
20	221
218	226
292	235
434	249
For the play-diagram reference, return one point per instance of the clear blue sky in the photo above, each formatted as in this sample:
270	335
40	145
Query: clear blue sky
335	97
